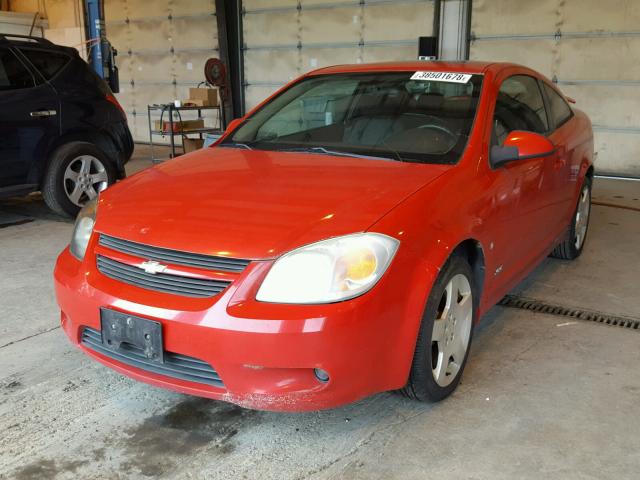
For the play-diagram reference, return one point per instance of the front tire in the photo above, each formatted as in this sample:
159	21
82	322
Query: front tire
571	248
445	334
77	172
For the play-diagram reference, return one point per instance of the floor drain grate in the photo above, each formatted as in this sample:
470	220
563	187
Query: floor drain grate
524	303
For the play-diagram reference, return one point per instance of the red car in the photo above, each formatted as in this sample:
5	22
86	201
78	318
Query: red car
340	240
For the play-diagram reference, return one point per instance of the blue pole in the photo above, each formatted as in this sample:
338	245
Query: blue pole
95	23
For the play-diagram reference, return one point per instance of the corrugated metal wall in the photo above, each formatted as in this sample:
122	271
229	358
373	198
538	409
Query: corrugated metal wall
17	23
285	38
590	47
162	47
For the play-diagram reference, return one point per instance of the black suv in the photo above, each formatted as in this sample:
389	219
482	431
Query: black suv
61	129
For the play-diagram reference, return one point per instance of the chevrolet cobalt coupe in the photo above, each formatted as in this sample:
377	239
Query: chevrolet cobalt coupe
340	240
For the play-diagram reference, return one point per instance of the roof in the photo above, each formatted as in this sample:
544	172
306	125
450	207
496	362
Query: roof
416	65
26	39
30	41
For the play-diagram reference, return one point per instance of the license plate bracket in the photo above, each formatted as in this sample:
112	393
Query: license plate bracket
124	332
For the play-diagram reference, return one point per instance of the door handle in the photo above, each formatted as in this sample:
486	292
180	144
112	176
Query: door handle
43	113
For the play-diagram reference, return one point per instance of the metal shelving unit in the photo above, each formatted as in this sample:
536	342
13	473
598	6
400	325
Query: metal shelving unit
170	109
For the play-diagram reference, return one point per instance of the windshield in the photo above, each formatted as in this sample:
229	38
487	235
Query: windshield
380	115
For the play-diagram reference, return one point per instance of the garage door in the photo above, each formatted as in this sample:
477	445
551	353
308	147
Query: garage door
20	24
162	47
284	38
591	48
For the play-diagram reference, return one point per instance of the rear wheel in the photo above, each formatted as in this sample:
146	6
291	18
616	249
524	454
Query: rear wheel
571	248
445	334
77	172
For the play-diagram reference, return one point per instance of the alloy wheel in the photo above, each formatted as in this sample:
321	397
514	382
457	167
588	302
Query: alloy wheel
582	217
84	178
451	330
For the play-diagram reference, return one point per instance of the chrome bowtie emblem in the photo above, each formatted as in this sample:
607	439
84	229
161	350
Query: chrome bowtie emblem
153	267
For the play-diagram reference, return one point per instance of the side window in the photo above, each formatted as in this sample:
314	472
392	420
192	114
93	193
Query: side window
47	63
519	107
560	112
13	74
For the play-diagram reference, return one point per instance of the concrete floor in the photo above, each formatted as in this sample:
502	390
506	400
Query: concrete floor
542	395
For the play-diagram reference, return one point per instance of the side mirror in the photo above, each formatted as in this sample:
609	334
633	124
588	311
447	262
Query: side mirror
232	125
521	145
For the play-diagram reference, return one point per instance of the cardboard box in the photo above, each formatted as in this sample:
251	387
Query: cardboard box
209	96
178	126
192	144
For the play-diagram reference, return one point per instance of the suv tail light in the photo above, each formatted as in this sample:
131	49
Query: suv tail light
110	98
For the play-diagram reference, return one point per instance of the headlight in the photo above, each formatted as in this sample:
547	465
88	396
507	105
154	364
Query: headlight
329	271
82	229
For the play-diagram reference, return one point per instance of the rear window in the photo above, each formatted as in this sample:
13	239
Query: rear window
48	63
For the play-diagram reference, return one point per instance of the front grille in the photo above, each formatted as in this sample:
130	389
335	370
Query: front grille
174	257
175	365
160	282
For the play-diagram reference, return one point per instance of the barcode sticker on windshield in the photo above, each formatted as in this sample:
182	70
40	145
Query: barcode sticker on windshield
442	76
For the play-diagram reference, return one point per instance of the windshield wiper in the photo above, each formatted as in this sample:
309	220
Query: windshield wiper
392	151
236	145
326	151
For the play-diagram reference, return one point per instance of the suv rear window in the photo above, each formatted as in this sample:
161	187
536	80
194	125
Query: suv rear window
13	74
47	62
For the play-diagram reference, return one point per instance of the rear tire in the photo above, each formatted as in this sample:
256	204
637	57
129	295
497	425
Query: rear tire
77	172
571	248
445	334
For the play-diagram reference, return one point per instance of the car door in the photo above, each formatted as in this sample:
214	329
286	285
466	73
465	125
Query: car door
522	230
562	171
28	119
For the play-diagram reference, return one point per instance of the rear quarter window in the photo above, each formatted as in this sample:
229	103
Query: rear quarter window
519	106
48	63
13	74
559	110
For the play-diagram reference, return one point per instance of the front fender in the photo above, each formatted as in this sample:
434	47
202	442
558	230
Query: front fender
428	235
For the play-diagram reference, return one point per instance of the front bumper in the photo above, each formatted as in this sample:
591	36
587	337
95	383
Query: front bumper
265	354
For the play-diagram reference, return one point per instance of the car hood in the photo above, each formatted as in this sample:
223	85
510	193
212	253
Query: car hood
255	204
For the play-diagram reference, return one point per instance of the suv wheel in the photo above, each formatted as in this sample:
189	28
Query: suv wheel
78	171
